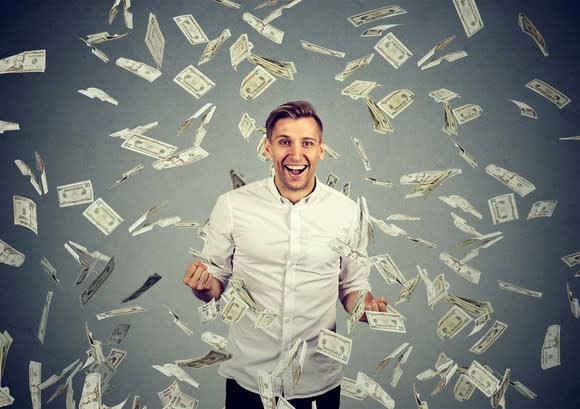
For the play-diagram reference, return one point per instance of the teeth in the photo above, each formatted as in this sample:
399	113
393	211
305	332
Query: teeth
296	167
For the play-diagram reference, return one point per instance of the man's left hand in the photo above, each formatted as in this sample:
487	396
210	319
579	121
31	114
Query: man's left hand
378	304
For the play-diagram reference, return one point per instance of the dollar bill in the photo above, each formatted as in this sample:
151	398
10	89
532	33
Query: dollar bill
473	307
463	270
574	304
393	50
499	395
463	389
26	61
543	208
267	30
465	227
503	208
95	51
181	158
148	146
450	124
549	92
128	174
138	68
321	50
517	289
50	270
437	291
118	334
127	16
94	92
445	376
282	69
128	132
215	341
25	213
482	379
103	37
353	66
569	138
208	311
176	371
388	269
377	31
458	201
115	357
210	358
133	309
213	46
194	81
191	29
357	310
240	50
44	317
452	323
449	57
265	388
234	310
489	338
168	393
572	260
525	109
408	288
400	350
247	126
150	282
386	321
154	40
375	14
551	348
361	152
91	393
438	47
530	29
228	3
255	83
429	180
379	181
8	126
469	16
334	346
466	113
75	193
346	189
358	89
396	102
26	171
332	180
443	95
9	255
5	398
34	380
381	123
374	390
100	214
350	388
523	389
88	293
177	321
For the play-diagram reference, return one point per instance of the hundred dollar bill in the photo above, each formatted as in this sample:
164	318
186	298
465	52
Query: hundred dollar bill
377	31
361	152
255	83
167	394
207	311
151	280
267	30
103	216
503	208
466	113
381	123
483	379
549	92
187	123
282	69
138	68
465	271
572	260
154	40
133	309
191	29
240	50
210	358
408	288
237	179
75	193
452	322
443	95
551	348
25	213
543	208
118	334
265	388
115	357
176	371
321	50
93	92
346	189
88	293
181	158
213	46
525	109
386	321
26	61
523	389
489	338
396	102
473	307
375	14
34	380
8	126
177	321
517	289
530	29
44	317
334	346
358	89
438	47
393	50
148	146
194	81
9	255
353	66
469	16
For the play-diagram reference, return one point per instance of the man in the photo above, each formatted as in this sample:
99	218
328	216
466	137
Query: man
276	235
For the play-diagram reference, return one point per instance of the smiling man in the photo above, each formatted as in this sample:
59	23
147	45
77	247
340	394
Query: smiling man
276	235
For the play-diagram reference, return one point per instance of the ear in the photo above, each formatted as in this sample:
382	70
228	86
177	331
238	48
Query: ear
321	151
267	148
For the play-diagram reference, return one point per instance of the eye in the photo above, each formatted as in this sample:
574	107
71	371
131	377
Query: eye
284	142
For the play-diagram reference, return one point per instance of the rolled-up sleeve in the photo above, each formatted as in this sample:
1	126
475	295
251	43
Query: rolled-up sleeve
219	243
354	275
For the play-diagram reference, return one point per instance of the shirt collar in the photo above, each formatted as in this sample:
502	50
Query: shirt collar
307	199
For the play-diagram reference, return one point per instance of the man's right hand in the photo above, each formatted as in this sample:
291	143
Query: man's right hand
198	278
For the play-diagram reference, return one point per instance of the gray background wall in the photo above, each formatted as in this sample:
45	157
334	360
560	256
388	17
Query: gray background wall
71	132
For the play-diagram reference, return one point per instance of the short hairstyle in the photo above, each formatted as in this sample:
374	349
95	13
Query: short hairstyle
294	110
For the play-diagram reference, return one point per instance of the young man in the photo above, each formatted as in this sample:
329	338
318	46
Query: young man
276	235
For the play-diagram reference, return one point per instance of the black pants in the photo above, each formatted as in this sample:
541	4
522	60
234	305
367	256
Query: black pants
240	398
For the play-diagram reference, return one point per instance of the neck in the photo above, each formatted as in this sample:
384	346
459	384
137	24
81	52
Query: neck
294	196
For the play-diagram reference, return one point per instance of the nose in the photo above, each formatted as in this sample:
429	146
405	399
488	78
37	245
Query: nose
296	152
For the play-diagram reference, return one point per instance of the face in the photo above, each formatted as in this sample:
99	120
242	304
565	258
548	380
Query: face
295	147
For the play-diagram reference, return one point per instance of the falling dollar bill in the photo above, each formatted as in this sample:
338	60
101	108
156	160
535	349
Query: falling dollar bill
9	255
551	348
8	126
267	30
466	113
358	89
133	309
469	16
525	109
210	358
377	31
396	102
489	338
452	323
438	47
44	317
176	371
88	293
530	29
353	66
208	311
393	50
191	29
543	208
138	68
482	378
118	334
91	393
94	92
375	14
255	83
151	280
34	380
100	214
130	173
443	95
194	81
75	193
321	50
26	61
240	50
212	47
361	152
181	158
503	208
334	346
25	213
574	304
386	321
549	92
518	290
154	40
572	260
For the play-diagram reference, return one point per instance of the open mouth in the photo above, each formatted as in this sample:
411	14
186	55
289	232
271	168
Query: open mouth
295	170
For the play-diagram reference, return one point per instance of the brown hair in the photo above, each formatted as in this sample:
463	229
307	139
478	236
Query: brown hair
294	110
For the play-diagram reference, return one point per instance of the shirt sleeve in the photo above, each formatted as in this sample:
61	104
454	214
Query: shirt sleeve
219	243
353	275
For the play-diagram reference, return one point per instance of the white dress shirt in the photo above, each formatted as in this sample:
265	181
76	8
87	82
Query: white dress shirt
282	251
